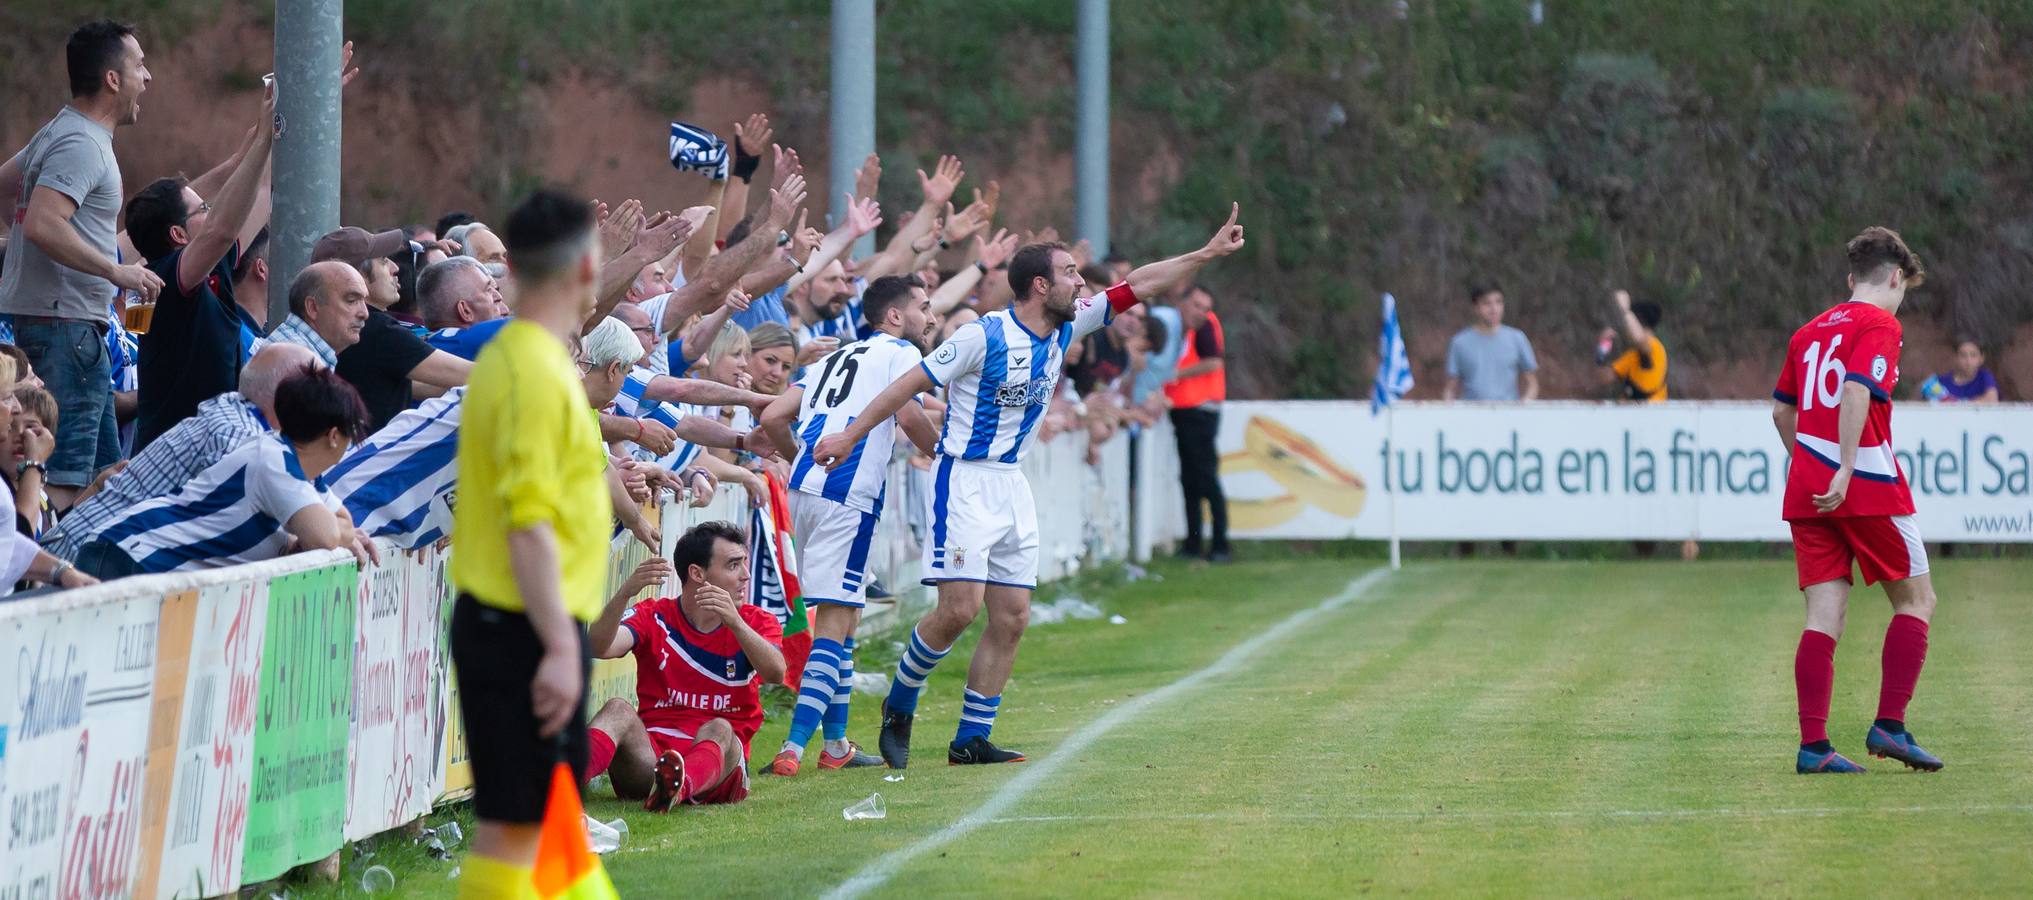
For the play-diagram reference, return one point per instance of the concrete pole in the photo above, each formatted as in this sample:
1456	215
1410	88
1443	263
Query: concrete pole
1090	138
308	37
853	106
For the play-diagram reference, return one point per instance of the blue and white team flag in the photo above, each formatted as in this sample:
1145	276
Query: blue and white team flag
1394	368
694	149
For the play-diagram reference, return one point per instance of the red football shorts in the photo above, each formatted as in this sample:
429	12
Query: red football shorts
1886	548
702	766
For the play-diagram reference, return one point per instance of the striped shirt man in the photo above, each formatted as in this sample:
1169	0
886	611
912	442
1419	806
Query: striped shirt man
999	378
221	425
231	513
848	326
399	483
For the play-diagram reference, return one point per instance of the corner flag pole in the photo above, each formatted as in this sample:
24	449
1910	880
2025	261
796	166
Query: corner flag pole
1390	488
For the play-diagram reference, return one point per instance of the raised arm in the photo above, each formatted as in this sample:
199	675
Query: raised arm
697	254
233	206
1159	278
902	249
863	216
755	133
723	272
989	256
658	236
606	637
835	448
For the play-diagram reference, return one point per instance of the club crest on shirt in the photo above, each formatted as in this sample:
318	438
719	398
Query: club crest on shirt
730	668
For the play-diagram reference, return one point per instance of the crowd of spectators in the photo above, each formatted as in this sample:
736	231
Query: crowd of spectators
157	420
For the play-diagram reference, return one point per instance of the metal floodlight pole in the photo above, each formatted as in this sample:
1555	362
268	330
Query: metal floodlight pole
1090	140
308	37
853	105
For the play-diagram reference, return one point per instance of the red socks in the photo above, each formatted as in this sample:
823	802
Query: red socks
1905	653
1814	681
599	752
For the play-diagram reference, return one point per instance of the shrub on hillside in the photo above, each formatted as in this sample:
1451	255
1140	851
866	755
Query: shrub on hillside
1613	133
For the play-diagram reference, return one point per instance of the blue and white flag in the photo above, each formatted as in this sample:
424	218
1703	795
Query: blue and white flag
1394	368
694	149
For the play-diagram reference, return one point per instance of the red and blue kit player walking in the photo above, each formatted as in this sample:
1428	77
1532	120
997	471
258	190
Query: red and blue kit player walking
1848	502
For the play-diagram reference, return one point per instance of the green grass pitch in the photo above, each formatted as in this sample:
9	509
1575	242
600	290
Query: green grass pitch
1464	728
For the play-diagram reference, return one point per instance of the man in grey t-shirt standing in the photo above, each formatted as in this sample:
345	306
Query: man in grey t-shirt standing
63	266
1490	360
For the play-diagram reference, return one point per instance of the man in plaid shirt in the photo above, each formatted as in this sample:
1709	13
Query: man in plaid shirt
221	425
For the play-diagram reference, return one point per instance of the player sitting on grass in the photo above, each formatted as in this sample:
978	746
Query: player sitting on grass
700	661
1833	408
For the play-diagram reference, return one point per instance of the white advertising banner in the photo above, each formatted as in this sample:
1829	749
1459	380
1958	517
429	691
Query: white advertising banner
398	729
1587	471
204	819
74	715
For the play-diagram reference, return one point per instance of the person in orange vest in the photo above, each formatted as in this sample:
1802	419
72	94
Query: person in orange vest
1196	393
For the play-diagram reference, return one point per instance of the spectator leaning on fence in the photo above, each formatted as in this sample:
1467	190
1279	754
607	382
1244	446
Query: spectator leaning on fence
1967	382
260	501
1490	360
63	266
461	304
1196	393
532	526
1640	372
221	425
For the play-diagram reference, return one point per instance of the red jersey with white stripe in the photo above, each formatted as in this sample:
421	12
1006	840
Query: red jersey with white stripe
685	678
1853	341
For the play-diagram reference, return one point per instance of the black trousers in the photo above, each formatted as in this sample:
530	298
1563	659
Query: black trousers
1200	473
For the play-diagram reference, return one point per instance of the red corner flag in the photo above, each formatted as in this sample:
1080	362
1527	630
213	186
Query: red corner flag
565	865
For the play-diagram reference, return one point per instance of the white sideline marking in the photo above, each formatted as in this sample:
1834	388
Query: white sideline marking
875	873
1528	814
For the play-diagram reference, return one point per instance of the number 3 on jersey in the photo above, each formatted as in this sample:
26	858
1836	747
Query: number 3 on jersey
847	363
1823	375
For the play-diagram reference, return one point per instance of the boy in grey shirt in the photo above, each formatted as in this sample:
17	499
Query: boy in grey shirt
1490	360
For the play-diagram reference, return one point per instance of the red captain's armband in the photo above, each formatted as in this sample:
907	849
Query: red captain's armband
1121	298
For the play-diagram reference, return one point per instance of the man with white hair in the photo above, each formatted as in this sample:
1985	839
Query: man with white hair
461	304
220	426
479	242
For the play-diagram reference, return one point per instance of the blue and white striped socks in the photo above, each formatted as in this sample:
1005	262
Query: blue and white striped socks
911	672
816	693
977	716
843	692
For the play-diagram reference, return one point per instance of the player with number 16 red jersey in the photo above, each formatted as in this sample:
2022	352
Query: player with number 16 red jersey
1847	499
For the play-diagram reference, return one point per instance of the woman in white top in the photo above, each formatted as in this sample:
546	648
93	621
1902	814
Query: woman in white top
19	556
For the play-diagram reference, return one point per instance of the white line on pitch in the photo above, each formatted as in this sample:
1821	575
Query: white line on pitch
1034	773
1528	814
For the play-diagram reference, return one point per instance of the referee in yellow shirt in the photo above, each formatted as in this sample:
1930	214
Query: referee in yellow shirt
529	554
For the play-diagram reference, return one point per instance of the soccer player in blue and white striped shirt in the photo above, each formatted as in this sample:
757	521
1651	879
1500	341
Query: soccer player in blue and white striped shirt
256	502
833	513
999	373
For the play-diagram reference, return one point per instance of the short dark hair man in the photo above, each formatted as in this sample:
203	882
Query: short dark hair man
388	356
194	351
63	194
686	738
532	520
